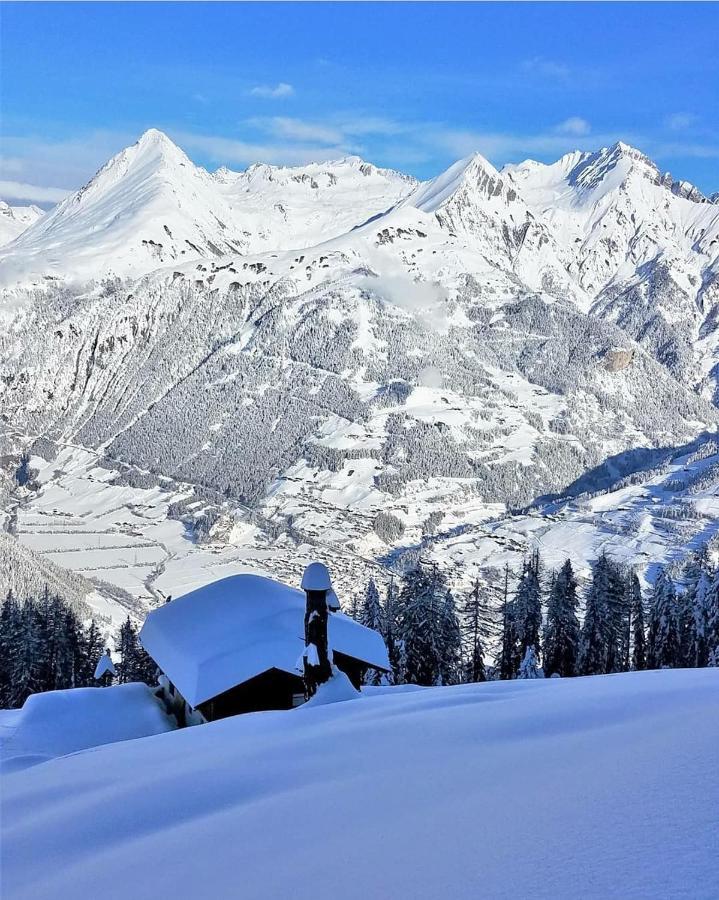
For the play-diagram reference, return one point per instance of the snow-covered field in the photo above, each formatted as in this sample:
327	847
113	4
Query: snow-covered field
589	787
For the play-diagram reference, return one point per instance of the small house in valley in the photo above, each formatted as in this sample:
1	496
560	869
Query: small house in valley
238	645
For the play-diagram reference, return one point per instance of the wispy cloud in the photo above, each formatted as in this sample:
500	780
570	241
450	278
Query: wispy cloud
546	68
52	167
32	193
298	129
574	125
221	150
272	92
680	121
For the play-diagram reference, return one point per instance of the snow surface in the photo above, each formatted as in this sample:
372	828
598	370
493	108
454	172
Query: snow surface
15	219
589	787
226	632
57	723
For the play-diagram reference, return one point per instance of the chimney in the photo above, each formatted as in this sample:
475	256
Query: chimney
319	596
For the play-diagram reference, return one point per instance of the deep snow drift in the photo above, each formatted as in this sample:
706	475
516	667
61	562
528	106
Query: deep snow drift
591	787
57	723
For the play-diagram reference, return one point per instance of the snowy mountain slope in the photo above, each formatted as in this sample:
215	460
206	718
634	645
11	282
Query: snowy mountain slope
616	207
643	246
299	206
28	574
147	207
15	219
248	341
474	200
150	206
622	768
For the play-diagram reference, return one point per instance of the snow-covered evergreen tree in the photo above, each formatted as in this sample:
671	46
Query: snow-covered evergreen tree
422	599
370	611
135	663
561	634
596	628
527	607
509	658
618	624
663	648
390	632
91	648
637	624
25	666
371	615
529	667
473	615
10	632
450	665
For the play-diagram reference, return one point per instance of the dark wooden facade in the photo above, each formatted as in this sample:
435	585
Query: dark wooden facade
273	689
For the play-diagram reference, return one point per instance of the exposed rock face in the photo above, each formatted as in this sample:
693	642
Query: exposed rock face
618	359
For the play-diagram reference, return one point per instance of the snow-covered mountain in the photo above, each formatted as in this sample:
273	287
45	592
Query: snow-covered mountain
150	206
16	219
309	350
644	247
300	206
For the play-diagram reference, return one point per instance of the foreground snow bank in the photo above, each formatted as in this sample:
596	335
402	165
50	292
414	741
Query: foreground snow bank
60	722
589	787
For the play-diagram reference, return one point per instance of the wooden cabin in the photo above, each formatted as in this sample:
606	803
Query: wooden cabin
236	646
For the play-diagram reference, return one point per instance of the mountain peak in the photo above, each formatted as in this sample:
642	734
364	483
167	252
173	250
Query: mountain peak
154	136
474	174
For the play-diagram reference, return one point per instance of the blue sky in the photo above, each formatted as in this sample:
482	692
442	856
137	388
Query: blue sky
412	86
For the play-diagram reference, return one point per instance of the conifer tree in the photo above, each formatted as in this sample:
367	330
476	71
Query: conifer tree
618	625
527	607
91	647
596	628
390	632
509	659
473	629
638	633
135	663
663	637
450	665
25	670
529	667
370	611
561	635
10	628
421	598
370	615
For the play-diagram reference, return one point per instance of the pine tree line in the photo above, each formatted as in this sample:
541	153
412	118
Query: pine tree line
44	646
431	639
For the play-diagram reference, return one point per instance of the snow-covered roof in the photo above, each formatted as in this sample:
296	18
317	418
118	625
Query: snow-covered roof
104	666
227	632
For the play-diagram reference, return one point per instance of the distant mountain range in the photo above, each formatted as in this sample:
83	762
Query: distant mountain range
326	343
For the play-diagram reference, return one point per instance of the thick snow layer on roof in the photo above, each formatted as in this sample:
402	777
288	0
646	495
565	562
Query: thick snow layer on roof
565	788
56	723
104	666
316	577
231	630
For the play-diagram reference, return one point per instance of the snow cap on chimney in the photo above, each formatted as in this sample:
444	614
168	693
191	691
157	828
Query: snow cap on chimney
316	578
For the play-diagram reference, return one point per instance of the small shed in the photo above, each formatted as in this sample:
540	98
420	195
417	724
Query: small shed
235	645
